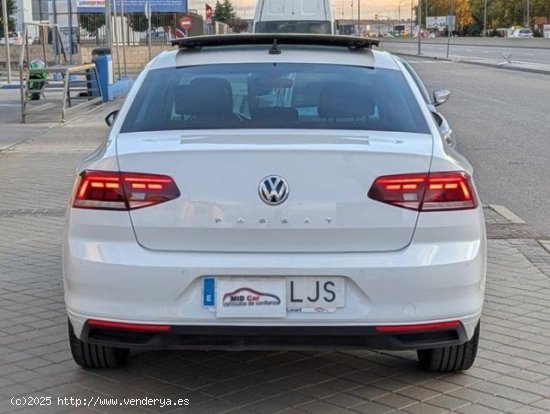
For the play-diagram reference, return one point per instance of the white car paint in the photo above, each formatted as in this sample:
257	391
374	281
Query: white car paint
399	266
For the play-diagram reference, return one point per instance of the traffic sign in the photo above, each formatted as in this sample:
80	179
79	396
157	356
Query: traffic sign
186	22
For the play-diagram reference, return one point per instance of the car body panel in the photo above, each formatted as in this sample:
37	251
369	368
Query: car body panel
399	266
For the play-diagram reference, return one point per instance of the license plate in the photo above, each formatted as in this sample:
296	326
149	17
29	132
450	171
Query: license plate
262	297
315	294
250	297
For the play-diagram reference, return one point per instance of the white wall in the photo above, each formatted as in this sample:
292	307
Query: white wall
23	14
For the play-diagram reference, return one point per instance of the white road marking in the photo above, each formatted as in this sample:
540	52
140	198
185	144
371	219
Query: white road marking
498	101
507	214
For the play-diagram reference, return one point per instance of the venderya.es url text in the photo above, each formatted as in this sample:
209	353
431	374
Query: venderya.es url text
99	401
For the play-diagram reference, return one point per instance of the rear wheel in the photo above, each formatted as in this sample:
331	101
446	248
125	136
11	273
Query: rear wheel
450	358
96	356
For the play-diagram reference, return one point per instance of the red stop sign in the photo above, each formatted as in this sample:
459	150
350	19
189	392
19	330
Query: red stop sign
186	22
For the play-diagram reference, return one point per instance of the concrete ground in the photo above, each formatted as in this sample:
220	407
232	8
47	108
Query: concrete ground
511	374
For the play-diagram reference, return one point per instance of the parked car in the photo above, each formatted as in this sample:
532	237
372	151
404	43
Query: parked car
275	192
522	33
16	38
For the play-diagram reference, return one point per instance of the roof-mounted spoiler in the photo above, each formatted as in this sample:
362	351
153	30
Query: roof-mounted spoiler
274	39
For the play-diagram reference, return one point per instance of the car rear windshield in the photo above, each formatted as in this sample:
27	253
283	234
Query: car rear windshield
275	95
294	26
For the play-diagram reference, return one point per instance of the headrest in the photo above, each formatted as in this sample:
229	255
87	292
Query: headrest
205	96
345	100
274	116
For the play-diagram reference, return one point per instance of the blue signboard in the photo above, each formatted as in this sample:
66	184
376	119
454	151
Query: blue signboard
133	6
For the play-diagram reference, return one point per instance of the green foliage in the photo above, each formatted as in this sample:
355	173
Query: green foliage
91	21
507	13
224	12
138	21
12	9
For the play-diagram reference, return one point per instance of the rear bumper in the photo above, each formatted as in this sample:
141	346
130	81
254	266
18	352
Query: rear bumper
274	338
440	276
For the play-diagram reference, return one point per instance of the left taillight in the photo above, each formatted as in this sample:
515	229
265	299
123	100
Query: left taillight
106	190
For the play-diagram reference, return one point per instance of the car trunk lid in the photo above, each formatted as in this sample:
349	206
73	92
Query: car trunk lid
328	173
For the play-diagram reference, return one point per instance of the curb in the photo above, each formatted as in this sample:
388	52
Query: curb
544	47
472	62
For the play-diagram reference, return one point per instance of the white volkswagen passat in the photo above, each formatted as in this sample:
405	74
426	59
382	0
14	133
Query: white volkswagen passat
275	191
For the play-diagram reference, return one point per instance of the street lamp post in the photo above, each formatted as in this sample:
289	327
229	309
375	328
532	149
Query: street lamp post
412	17
399	10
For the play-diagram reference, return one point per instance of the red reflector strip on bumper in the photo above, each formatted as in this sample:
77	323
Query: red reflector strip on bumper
135	327
422	327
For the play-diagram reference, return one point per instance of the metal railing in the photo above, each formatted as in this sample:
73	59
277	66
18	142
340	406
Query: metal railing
72	83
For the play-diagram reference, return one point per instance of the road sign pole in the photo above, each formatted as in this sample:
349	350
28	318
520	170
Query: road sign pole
108	22
359	18
148	15
451	22
124	24
6	38
485	20
419	18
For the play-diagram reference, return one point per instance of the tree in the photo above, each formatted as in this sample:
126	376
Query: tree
463	14
91	22
12	9
138	21
224	12
507	13
459	8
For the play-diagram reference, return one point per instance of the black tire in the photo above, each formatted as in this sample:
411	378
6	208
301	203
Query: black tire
96	356
450	358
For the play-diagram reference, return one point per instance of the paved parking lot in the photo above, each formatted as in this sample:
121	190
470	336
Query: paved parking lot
511	374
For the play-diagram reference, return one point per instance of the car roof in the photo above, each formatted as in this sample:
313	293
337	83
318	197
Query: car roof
289	48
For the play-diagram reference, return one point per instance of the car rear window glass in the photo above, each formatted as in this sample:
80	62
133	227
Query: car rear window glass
275	95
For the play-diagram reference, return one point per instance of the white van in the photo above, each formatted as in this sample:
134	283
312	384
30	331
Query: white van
294	16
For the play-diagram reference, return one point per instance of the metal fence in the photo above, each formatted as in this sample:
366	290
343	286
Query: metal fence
131	28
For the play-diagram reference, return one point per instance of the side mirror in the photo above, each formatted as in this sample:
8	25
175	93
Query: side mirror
110	119
441	96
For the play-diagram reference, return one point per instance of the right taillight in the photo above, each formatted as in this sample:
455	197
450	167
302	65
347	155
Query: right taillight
107	190
439	191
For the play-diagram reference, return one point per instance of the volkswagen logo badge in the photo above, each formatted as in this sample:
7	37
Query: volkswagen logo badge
273	190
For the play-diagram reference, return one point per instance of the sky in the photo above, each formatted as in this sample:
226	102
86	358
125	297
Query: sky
340	8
